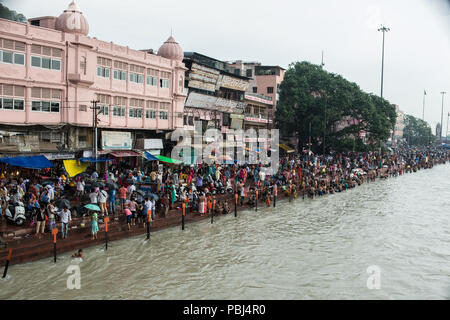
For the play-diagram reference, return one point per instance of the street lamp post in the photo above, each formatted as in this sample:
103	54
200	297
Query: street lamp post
442	114
384	30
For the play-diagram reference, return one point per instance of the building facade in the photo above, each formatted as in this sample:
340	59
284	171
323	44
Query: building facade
265	80
214	94
51	71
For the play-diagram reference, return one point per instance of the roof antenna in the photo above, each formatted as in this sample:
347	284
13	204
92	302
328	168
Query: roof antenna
322	64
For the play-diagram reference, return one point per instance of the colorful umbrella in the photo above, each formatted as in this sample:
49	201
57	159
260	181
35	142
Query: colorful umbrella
92	207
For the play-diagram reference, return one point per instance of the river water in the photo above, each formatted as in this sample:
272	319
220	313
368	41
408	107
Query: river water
306	249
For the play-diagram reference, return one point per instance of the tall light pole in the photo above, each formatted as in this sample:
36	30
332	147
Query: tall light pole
446	132
442	114
423	110
384	30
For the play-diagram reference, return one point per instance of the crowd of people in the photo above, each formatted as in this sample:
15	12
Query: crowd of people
204	189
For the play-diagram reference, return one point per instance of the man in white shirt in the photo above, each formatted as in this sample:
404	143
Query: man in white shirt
102	197
94	197
80	187
66	216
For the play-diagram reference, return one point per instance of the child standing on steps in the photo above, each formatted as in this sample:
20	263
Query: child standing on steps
94	224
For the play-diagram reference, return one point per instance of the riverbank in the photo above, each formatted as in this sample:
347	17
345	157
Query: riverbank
25	249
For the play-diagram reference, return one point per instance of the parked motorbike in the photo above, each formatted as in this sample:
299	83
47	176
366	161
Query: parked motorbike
15	213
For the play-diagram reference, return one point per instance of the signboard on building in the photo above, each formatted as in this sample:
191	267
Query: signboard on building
260	120
237	116
149	144
234	83
59	156
203	78
116	140
203	101
258	99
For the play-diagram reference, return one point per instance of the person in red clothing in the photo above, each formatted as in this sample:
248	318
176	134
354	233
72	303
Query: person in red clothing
122	197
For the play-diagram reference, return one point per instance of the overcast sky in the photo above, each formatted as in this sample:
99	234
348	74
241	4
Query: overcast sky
278	32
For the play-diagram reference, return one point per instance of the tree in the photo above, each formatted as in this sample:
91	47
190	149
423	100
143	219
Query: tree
6	13
417	132
335	107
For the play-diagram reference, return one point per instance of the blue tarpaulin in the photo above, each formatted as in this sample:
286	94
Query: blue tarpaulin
94	160
150	157
31	162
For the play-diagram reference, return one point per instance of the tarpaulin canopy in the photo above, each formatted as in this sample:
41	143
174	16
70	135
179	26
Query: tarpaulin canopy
286	148
150	157
91	159
168	160
31	162
74	167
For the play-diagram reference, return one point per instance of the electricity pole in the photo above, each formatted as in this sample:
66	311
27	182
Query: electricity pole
384	30
442	114
95	113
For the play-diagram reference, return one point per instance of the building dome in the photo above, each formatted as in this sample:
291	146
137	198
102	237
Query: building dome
171	50
72	21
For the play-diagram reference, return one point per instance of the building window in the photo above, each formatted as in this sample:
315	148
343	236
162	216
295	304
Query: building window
103	67
164	83
163	115
152	77
137	73
104	110
45	63
269	89
255	89
164	110
82	107
9	53
118	111
45	106
135	112
249	73
137	78
164	79
120	75
152	81
150	114
120	70
12	97
103	72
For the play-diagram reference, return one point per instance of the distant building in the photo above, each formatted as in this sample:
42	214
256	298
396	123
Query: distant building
397	134
266	80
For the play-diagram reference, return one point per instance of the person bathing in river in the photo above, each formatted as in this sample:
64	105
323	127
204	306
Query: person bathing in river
78	254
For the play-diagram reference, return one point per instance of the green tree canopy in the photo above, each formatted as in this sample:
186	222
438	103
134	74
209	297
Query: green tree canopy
417	132
334	107
6	13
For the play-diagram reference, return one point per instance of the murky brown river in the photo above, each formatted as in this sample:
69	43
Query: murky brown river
307	249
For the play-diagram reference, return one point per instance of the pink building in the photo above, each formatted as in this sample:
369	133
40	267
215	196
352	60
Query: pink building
51	71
